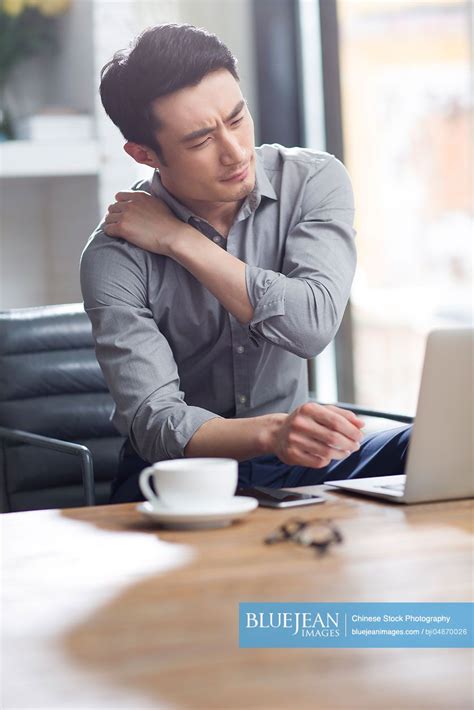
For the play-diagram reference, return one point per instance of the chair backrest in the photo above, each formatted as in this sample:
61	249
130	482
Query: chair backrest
51	384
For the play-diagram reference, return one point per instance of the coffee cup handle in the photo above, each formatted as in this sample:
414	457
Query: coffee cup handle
145	485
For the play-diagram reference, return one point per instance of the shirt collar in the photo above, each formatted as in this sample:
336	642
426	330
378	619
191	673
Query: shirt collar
263	188
263	184
160	190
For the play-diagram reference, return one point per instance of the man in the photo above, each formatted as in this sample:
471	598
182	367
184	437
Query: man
209	285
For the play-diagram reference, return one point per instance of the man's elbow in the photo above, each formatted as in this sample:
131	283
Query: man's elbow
306	340
315	341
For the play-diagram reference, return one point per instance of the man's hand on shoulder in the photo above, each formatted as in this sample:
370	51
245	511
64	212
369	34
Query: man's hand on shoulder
314	434
143	220
146	221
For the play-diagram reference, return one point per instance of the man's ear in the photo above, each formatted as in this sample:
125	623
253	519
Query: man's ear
142	154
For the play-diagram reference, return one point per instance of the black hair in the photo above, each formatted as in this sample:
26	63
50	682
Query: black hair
161	60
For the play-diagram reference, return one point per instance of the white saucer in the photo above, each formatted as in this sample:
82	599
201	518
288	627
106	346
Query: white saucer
237	507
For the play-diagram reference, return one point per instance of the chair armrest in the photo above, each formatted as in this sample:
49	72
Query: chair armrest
373	412
66	447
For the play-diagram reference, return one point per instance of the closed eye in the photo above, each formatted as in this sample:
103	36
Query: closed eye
236	122
198	145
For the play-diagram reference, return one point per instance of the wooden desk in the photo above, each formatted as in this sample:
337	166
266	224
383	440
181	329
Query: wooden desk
102	610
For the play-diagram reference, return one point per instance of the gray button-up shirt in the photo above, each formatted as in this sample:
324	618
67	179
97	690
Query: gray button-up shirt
172	357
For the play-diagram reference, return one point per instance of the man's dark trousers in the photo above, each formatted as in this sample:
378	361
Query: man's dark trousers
381	454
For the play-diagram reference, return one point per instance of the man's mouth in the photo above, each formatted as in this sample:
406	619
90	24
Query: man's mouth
240	175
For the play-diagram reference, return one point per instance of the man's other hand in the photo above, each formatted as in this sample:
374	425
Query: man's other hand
143	220
314	434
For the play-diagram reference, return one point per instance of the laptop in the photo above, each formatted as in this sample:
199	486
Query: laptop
440	453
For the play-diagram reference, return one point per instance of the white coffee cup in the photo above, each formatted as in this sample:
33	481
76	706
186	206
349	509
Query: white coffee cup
191	484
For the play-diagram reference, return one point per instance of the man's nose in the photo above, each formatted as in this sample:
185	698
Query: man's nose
232	153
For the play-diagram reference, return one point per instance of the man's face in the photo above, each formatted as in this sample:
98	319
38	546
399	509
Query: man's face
207	140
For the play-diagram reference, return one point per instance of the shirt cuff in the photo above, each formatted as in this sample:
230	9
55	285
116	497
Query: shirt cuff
180	427
266	292
161	440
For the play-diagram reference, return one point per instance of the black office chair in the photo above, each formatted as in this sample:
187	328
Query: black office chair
58	445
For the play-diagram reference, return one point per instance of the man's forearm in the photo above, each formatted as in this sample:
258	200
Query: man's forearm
312	435
240	439
220	272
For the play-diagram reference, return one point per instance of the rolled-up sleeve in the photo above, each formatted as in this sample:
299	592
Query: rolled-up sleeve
301	308
135	357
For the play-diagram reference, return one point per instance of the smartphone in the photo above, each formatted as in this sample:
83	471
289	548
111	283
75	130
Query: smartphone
279	498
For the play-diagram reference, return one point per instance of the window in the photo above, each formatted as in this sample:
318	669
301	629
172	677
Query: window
406	111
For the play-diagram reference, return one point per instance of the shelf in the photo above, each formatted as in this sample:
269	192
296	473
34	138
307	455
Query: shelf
38	159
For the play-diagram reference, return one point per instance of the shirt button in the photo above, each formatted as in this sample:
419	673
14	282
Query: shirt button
242	398
240	349
216	239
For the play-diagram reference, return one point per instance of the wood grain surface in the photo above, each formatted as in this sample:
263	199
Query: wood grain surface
102	609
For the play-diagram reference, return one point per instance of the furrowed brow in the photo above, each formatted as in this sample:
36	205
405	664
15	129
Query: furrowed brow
201	132
236	111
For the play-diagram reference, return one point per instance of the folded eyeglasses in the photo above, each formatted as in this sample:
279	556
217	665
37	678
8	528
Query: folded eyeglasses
318	534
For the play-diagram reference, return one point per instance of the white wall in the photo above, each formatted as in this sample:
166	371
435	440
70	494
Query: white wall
45	222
